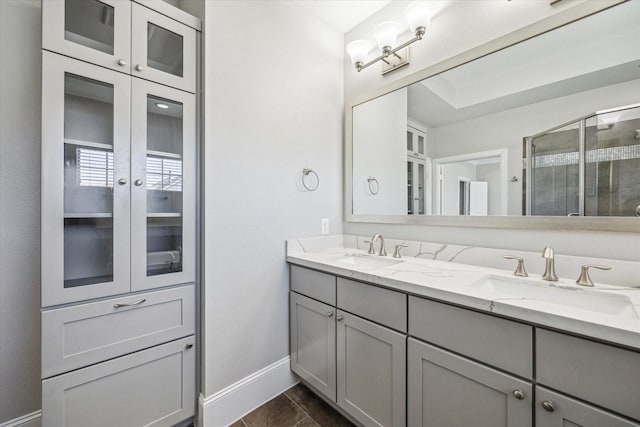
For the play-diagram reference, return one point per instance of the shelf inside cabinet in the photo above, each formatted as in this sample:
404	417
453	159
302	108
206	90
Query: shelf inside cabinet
88	144
72	283
80	215
164	215
163	154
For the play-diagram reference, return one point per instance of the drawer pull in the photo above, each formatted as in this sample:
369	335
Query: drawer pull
188	346
129	304
548	406
518	394
330	314
339	318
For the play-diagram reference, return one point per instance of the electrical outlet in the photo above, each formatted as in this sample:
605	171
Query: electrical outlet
325	225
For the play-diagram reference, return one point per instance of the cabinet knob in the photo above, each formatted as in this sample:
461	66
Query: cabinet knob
122	62
139	67
188	346
518	394
339	317
138	182
122	181
548	406
330	314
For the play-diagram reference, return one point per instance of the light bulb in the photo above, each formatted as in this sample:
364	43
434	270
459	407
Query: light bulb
358	50
417	15
386	34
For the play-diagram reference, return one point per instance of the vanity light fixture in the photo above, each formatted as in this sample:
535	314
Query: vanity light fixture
162	106
417	15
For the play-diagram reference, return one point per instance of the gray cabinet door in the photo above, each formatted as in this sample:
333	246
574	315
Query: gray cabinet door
561	411
371	371
154	387
313	343
448	390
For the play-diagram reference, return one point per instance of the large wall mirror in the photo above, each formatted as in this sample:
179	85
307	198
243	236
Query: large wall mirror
544	133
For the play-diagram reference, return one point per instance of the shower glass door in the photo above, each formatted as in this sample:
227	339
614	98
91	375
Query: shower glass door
612	182
555	172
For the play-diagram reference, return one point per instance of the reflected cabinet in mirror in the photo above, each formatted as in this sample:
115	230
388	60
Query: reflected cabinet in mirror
547	128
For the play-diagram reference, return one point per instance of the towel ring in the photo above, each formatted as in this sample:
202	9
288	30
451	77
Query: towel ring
306	172
371	179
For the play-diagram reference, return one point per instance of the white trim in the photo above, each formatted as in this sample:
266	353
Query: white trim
233	402
34	417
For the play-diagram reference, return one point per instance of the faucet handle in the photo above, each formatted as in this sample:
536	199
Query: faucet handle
396	252
520	271
584	279
371	251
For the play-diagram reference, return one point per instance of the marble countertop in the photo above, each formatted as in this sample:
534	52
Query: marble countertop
466	285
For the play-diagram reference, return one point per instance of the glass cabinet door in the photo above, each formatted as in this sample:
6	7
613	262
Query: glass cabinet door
97	31
163	50
163	192
85	201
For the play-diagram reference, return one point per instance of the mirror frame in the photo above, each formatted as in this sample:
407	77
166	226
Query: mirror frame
581	223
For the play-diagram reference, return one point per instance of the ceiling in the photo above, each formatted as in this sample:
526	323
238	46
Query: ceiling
343	15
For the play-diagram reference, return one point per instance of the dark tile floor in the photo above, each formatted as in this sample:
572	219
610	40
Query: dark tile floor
297	407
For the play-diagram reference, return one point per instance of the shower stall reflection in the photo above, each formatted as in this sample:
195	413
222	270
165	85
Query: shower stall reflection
589	167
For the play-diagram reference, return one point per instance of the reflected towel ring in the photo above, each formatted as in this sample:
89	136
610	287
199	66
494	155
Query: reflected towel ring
306	172
371	179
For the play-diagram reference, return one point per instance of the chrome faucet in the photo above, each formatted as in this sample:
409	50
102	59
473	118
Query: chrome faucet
550	270
383	251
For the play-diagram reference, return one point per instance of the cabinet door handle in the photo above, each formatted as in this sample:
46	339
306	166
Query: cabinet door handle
129	304
138	182
330	314
339	317
139	67
548	406
122	181
188	346
122	62
518	394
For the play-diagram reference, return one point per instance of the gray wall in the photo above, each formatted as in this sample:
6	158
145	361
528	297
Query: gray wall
19	208
453	31
273	106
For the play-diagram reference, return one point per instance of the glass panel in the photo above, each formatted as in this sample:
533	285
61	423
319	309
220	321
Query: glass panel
164	186
89	23
420	144
409	141
410	187
612	182
421	189
164	50
88	181
555	172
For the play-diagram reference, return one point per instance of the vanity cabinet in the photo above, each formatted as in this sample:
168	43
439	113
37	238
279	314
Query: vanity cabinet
445	389
123	36
347	350
606	376
118	215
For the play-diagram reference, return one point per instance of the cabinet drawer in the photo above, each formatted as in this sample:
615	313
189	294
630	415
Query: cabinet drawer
154	387
605	375
497	342
73	337
320	286
380	305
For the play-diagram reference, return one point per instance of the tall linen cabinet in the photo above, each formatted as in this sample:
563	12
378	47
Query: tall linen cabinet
118	213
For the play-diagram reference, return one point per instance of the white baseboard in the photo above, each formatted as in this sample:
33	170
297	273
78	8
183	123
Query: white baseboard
233	402
33	419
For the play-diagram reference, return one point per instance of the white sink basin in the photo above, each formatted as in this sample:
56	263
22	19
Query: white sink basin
367	261
586	299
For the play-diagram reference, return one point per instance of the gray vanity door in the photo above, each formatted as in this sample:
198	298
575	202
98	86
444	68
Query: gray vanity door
371	371
313	343
448	390
556	410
